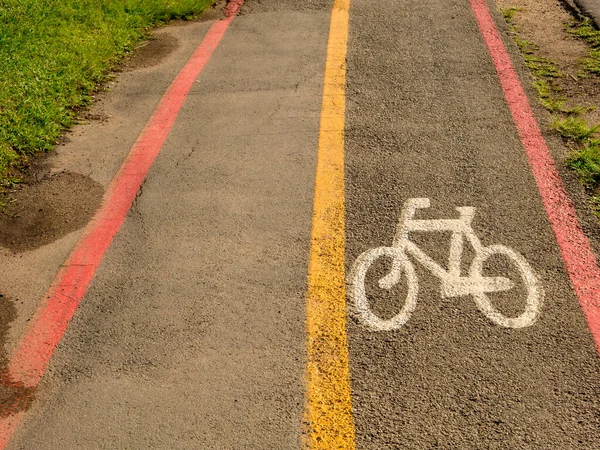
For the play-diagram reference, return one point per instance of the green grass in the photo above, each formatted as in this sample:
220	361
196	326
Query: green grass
545	75
7	158
509	13
586	162
574	128
585	30
54	53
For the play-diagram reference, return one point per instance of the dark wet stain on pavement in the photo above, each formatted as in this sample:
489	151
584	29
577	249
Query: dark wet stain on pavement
151	53
14	396
39	213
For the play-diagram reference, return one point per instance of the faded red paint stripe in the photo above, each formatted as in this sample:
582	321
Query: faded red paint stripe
30	360
575	248
233	7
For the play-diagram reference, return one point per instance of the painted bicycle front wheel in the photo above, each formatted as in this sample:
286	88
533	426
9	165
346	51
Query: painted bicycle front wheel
528	283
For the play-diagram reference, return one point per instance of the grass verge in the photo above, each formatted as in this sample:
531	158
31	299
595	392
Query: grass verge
54	54
569	122
586	31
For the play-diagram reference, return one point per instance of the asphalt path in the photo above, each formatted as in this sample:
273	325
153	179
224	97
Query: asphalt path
193	333
426	117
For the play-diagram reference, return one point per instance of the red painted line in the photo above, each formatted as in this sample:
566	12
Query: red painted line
575	248
233	7
30	360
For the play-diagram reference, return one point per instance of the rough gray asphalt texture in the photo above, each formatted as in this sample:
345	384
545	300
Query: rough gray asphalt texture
426	118
192	334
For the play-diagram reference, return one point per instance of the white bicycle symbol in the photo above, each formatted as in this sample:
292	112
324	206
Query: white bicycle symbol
452	283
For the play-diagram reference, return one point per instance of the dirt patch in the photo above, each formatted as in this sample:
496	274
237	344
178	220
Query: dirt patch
14	396
151	52
47	209
543	22
94	117
215	12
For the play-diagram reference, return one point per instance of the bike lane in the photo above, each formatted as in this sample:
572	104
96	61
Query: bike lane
426	118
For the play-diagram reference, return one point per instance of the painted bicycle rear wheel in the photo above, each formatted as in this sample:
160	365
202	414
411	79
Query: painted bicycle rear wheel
402	271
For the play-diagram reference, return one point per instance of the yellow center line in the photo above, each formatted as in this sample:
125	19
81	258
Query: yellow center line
329	404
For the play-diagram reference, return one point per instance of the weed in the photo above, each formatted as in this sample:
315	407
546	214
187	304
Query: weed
586	31
551	104
544	73
592	62
574	128
595	204
526	47
542	67
509	13
586	162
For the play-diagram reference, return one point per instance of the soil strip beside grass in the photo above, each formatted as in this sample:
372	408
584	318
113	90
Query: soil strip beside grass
564	62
